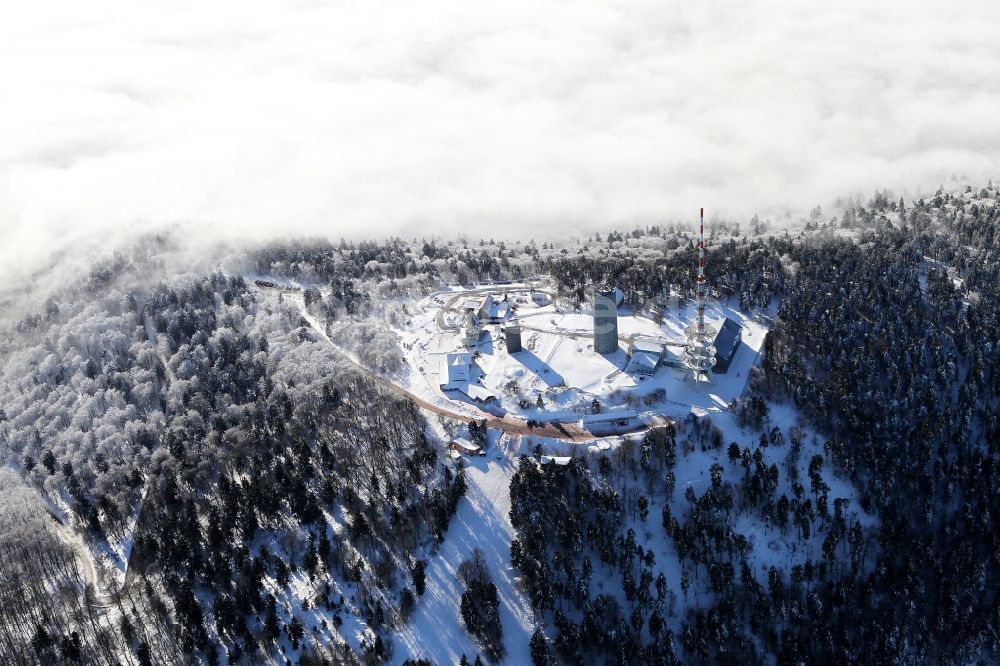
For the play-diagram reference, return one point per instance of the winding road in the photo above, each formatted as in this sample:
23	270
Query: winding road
102	600
83	554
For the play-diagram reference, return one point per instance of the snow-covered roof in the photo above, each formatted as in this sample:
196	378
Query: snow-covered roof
494	308
498	310
556	460
459	358
647	346
643	361
607	417
477	392
473	391
465	444
455	370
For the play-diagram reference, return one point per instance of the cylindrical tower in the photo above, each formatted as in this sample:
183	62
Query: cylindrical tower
512	336
605	321
699	355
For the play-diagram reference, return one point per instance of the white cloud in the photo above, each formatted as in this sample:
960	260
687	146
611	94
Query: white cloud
357	118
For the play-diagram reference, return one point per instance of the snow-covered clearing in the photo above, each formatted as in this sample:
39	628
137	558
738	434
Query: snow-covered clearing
558	362
435	630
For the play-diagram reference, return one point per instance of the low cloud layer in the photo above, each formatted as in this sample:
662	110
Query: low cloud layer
246	119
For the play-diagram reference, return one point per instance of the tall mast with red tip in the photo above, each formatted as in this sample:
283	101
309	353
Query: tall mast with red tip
701	274
699	353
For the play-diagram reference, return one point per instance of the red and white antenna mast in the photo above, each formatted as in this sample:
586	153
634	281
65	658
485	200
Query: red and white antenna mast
699	355
701	273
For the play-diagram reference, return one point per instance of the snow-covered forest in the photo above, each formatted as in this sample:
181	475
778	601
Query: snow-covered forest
197	470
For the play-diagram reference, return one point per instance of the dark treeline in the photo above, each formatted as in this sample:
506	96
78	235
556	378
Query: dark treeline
747	269
569	522
590	564
890	343
233	449
243	457
886	340
741	266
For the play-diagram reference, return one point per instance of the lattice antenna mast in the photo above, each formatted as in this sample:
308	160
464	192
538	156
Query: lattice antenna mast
701	274
699	355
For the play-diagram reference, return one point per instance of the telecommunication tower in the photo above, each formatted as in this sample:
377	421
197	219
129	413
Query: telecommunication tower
699	355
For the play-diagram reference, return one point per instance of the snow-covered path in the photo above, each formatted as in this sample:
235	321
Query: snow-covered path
435	630
85	556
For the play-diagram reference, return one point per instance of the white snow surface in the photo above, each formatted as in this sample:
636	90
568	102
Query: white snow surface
558	361
435	630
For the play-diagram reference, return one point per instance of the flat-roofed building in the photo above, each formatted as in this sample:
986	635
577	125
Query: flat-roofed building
456	368
610	418
727	341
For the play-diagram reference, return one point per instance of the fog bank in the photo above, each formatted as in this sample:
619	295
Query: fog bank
250	119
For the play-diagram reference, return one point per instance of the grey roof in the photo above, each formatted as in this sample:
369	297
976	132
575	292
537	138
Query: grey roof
614	415
726	344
